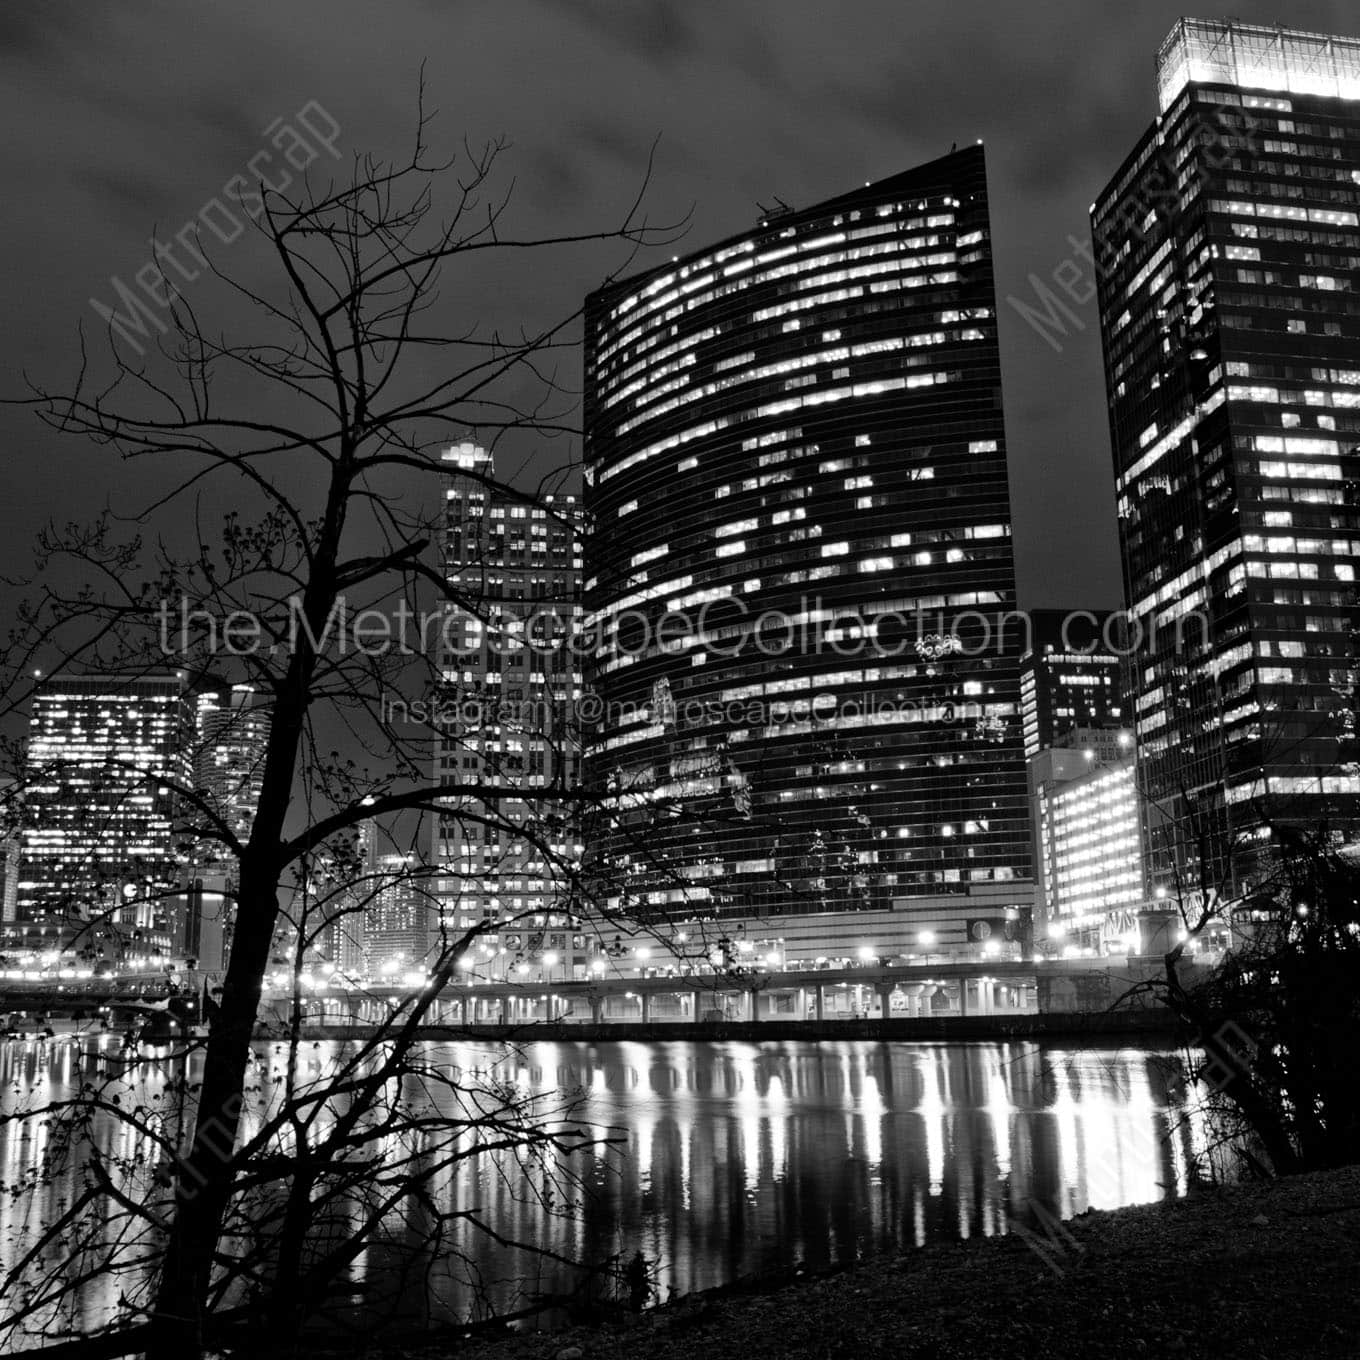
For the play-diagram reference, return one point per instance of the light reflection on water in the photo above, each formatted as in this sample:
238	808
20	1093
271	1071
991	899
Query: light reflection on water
743	1157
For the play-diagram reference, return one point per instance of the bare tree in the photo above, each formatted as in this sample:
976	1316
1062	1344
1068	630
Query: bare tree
316	424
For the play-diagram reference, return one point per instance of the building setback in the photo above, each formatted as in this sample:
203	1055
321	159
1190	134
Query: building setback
1228	255
798	553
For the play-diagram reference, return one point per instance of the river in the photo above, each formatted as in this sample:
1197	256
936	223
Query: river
735	1159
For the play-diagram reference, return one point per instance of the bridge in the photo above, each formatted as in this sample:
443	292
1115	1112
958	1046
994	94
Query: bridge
938	991
935	990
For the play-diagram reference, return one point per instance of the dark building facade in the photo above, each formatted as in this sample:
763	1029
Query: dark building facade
798	562
1228	258
1069	676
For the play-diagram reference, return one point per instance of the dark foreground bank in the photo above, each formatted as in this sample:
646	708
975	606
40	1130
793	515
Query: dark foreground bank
1269	1271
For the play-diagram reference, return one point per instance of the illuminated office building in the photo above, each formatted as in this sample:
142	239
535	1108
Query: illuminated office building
798	553
1091	874
98	845
511	682
397	912
1073	720
233	731
11	846
336	898
1069	676
1228	261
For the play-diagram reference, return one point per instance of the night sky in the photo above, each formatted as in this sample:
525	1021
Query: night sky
123	118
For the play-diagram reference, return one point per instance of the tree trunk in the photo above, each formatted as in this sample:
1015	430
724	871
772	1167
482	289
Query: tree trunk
204	1188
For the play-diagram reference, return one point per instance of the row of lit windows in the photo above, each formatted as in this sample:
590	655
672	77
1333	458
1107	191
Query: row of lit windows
792	365
804	280
812	399
700	274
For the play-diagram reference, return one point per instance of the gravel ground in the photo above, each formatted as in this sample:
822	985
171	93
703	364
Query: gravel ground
1269	1271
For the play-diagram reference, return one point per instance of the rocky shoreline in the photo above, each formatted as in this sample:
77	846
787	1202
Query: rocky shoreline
1261	1270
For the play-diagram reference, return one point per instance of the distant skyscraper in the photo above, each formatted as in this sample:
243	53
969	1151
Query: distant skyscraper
1069	677
233	729
1228	255
98	856
798	555
11	847
510	685
397	924
340	892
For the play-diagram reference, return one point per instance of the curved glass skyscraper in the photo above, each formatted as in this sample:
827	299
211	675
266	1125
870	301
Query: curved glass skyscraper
798	567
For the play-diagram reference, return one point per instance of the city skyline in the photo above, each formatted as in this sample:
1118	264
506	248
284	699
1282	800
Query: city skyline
872	560
573	765
1011	80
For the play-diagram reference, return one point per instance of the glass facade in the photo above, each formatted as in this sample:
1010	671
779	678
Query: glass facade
1228	263
799	584
1256	57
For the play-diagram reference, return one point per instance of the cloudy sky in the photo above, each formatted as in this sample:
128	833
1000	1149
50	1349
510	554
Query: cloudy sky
121	118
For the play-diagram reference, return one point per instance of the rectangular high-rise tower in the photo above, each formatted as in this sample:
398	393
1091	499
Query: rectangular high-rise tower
511	682
233	733
104	755
1228	256
799	572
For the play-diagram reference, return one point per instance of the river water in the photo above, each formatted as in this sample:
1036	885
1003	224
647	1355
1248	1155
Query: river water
736	1158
